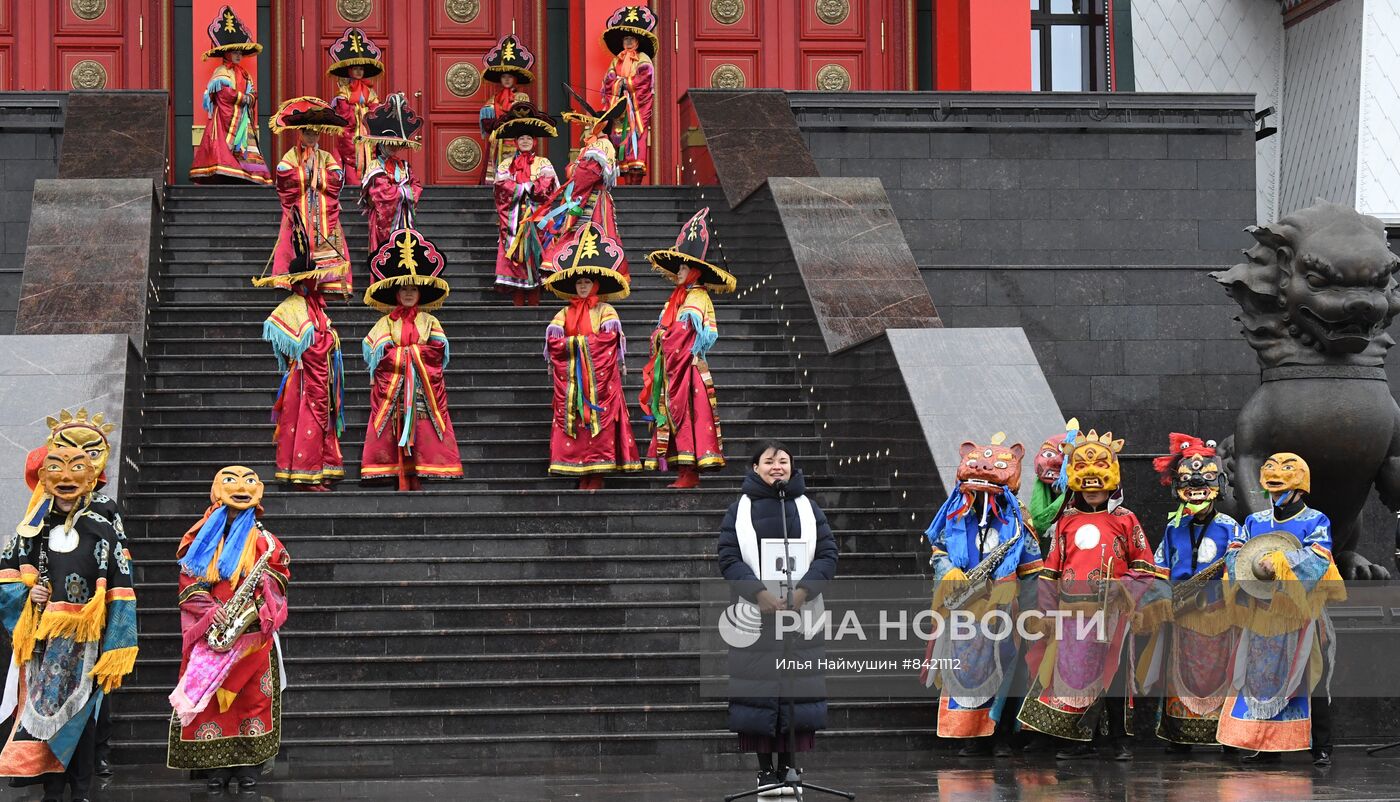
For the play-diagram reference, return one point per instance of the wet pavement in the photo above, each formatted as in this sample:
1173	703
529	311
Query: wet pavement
1354	776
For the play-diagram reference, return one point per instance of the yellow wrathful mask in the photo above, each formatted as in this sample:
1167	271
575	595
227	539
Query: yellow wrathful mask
1285	471
79	431
1091	462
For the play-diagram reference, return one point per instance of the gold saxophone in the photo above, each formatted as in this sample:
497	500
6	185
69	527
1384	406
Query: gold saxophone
980	577
240	612
1185	593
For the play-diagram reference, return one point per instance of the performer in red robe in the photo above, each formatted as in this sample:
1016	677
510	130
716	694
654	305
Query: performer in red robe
410	434
227	717
355	61
228	150
308	184
678	395
309	409
523	182
1100	573
631	79
586	194
509	64
390	191
586	349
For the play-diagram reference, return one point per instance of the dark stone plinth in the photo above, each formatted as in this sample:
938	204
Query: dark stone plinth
752	136
857	269
41	375
885	776
86	267
968	384
115	135
31	127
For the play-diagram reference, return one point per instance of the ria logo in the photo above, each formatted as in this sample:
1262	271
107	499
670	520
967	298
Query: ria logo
740	624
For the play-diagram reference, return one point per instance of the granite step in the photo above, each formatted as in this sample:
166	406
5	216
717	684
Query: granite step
520	322
561	568
385	721
445	497
495	754
367	513
465	360
158	417
536	427
524	545
508	618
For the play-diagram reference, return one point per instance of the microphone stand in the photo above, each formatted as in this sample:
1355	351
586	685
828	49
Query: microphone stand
793	779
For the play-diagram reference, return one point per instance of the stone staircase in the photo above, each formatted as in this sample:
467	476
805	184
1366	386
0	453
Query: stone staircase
508	621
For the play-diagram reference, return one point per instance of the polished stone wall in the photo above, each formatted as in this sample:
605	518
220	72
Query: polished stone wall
115	135
88	265
751	135
1040	179
31	128
969	384
1089	221
860	279
39	375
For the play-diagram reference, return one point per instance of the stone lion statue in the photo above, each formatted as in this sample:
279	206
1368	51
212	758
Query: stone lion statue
1316	295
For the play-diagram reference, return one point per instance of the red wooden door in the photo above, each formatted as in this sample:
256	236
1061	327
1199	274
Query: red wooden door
833	45
433	55
57	45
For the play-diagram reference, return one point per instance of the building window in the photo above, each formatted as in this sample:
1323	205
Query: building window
1069	45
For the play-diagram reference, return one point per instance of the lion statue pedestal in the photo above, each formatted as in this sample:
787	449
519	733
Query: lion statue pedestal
1316	296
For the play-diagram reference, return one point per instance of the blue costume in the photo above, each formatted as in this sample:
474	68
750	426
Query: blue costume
1270	710
974	521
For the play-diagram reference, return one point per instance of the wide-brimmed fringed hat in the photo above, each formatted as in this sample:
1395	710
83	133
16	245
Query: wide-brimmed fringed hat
690	250
393	123
525	119
407	258
307	113
228	34
355	49
593	254
638	21
509	56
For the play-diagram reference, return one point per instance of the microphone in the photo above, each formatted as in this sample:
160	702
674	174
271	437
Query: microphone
781	487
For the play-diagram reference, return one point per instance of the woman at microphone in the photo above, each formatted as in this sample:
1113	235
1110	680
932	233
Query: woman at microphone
772	525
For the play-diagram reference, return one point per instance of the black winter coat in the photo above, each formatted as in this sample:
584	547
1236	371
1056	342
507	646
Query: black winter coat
757	705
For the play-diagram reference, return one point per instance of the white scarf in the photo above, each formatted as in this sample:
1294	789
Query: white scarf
813	611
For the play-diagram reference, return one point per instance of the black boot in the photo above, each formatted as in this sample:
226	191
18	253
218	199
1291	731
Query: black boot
1077	751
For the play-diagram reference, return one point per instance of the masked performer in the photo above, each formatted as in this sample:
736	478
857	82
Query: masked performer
1097	572
308	183
1048	493
227	717
1194	651
678	395
309	410
1281	574
66	597
355	61
410	433
523	182
228	151
391	191
981	549
509	65
586	194
631	79
592	434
